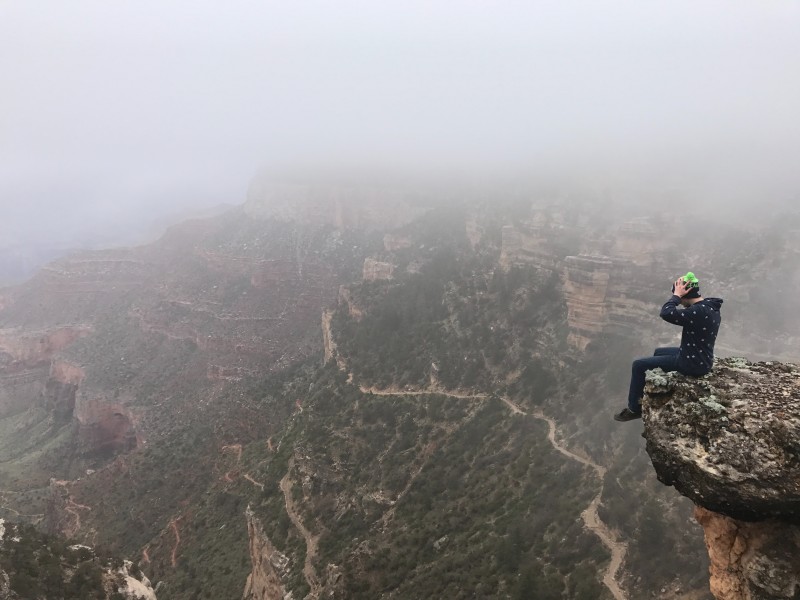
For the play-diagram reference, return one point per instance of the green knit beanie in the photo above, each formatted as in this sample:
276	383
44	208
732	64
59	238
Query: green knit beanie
694	285
691	280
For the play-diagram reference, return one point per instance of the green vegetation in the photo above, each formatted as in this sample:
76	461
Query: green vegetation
431	497
423	496
459	322
40	566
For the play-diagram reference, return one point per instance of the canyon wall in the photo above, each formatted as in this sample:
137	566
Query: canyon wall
265	581
34	348
107	427
29	371
612	285
375	270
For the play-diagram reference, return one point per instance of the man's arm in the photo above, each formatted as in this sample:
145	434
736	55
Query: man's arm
670	312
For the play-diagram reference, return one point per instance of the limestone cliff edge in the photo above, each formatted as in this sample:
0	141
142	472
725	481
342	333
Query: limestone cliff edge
730	441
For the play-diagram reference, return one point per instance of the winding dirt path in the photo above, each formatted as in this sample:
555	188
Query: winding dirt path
253	481
312	541
433	392
19	514
174	556
237	448
590	516
72	508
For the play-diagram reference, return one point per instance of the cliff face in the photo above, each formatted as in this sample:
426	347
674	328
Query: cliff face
730	442
29	371
610	285
585	290
375	270
269	565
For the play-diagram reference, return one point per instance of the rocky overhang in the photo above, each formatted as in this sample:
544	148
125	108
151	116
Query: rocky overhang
729	441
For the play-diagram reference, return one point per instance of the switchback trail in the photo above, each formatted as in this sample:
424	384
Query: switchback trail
174	555
590	516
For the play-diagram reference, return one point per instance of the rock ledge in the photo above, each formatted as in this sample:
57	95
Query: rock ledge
729	441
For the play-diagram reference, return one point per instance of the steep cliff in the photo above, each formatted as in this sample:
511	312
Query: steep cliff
729	442
269	565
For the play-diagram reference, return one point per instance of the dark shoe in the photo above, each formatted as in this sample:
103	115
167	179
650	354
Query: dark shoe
627	415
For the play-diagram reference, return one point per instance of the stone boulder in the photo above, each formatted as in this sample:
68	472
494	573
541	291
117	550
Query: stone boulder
730	441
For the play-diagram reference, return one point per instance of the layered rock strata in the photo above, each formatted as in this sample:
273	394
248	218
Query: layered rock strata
375	270
730	441
607	286
586	281
270	567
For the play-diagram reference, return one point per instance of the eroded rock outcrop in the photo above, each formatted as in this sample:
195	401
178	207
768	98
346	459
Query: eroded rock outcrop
270	567
730	441
27	349
375	270
106	427
586	281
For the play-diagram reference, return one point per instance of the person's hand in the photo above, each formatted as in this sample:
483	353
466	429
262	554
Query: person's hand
681	288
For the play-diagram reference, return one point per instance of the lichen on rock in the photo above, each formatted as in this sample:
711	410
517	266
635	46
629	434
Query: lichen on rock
730	440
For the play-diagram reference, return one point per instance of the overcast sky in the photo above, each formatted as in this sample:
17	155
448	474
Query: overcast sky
125	109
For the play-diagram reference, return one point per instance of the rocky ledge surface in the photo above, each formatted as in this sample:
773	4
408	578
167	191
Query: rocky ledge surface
730	441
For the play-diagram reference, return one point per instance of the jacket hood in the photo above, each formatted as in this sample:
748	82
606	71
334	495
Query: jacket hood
715	303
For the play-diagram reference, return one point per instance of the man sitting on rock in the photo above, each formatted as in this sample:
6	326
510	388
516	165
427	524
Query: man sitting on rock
700	319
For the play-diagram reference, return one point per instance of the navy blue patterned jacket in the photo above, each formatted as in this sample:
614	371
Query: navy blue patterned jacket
700	324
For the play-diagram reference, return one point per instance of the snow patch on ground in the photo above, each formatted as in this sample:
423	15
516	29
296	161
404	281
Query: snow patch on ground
136	589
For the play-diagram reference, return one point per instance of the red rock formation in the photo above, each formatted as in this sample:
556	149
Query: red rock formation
637	241
375	270
729	442
750	561
27	374
585	287
106	427
67	372
527	246
265	581
30	349
62	388
346	299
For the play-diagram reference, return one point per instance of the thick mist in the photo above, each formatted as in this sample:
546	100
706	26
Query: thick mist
115	115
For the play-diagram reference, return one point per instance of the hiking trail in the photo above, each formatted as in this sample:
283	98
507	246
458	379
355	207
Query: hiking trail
590	516
174	556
